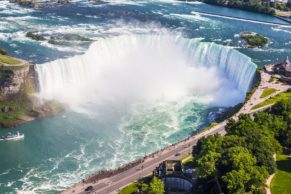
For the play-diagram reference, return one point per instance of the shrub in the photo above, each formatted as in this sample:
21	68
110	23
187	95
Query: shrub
3	52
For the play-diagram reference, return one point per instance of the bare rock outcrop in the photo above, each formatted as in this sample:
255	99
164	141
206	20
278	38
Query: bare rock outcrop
11	80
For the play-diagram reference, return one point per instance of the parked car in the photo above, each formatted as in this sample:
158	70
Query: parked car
177	154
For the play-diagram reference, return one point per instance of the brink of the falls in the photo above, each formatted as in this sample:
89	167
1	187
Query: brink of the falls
134	68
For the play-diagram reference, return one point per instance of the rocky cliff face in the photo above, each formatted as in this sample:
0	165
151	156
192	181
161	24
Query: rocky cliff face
18	102
11	80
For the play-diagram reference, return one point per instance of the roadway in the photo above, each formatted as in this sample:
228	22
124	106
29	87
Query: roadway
114	183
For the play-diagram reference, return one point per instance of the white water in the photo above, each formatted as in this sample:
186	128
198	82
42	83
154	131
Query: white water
126	70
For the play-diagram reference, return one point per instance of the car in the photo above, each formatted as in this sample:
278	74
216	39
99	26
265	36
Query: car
89	188
108	182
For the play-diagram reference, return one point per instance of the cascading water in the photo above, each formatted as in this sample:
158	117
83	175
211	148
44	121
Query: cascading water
180	64
237	67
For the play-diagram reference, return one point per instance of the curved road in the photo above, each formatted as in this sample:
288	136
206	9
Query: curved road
112	184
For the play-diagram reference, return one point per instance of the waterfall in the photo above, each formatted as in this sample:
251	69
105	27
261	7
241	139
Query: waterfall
71	74
236	66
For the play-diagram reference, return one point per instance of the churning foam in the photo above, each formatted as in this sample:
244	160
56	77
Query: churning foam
129	69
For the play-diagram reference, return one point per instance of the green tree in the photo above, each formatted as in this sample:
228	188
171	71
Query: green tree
144	188
235	181
237	158
156	186
241	161
207	164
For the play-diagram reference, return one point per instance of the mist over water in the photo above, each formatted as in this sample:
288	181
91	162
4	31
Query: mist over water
128	70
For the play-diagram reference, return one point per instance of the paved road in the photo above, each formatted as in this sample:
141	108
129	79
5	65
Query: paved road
114	183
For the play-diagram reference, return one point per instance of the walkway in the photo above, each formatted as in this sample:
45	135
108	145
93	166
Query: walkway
255	98
118	181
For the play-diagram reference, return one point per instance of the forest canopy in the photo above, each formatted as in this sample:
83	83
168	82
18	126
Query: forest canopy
241	161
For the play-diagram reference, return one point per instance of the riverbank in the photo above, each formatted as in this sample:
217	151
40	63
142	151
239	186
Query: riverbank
258	7
268	10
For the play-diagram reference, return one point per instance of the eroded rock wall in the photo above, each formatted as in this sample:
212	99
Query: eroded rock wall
12	80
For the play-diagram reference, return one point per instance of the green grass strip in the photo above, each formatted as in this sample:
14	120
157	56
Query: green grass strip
268	92
274	99
281	182
129	189
9	60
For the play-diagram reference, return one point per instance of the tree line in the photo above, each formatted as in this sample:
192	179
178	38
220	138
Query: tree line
242	160
260	6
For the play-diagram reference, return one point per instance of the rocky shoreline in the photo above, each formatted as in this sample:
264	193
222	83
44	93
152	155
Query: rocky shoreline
36	4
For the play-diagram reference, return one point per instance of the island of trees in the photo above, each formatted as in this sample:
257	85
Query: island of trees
254	39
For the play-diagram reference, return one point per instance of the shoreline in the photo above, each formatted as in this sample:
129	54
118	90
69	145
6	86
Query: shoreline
276	15
286	19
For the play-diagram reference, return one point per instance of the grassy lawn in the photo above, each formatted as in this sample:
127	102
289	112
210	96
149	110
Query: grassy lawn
8	60
272	79
129	189
268	92
274	99
186	159
213	124
281	183
132	187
